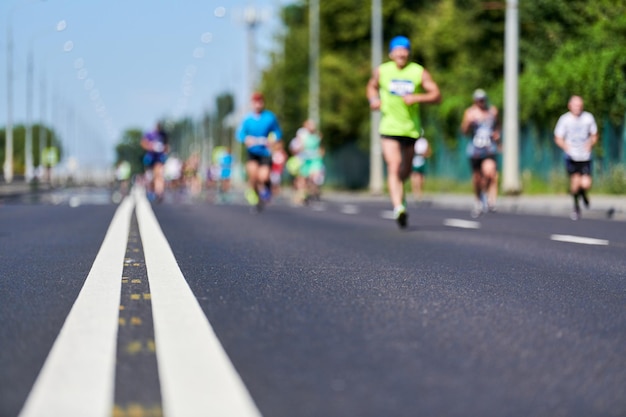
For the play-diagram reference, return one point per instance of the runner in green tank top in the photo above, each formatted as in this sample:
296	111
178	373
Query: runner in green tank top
396	89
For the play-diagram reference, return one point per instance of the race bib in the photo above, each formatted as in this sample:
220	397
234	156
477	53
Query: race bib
401	87
158	147
418	161
482	137
260	141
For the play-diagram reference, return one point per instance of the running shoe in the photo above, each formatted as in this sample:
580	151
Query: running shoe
484	202
575	214
585	199
478	210
401	216
252	197
266	195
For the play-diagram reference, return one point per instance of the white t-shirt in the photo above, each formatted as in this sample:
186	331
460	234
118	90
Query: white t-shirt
576	132
421	146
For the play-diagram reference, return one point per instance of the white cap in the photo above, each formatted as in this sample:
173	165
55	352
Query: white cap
479	94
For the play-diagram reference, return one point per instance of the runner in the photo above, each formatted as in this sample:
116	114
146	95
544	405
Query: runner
418	173
225	172
396	89
308	147
294	163
576	133
480	121
279	159
254	132
156	147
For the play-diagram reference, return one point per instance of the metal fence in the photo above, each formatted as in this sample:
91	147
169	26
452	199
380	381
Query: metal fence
540	158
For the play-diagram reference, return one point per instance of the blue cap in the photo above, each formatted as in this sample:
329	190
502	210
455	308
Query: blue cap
399	42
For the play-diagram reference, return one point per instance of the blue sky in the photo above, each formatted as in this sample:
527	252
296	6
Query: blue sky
131	62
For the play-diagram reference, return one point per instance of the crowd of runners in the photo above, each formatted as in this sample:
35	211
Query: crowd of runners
397	89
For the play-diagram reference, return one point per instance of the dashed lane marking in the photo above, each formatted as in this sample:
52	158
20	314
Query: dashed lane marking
349	209
579	239
463	224
136	373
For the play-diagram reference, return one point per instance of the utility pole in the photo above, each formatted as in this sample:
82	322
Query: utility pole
314	52
8	152
376	162
28	141
253	17
510	168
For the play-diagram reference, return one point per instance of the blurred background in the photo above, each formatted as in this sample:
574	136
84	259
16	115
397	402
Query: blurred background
81	82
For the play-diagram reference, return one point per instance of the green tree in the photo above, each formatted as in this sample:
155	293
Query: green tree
19	140
129	149
566	47
223	132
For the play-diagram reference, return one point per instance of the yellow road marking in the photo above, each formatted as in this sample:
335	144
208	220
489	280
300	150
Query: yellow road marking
137	410
134	347
151	346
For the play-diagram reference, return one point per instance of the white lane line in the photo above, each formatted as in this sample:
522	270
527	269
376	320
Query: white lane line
464	224
78	376
349	209
197	377
579	239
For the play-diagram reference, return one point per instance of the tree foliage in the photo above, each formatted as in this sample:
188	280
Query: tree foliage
19	144
129	149
566	47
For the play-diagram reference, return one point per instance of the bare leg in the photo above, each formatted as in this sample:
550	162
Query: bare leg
398	159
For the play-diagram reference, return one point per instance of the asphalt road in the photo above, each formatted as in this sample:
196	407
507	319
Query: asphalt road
331	310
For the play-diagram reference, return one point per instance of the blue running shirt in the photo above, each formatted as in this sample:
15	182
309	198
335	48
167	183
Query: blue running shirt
259	126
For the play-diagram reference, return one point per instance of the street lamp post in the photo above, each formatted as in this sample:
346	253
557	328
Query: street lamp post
510	163
253	18
28	144
45	93
314	53
376	162
8	154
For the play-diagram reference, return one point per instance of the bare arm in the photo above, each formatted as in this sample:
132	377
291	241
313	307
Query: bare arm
496	129
372	90
593	139
431	94
560	142
145	144
466	123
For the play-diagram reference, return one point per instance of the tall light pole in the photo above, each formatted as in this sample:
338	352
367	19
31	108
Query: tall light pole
28	142
8	151
314	53
44	91
253	17
510	163
8	154
376	162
